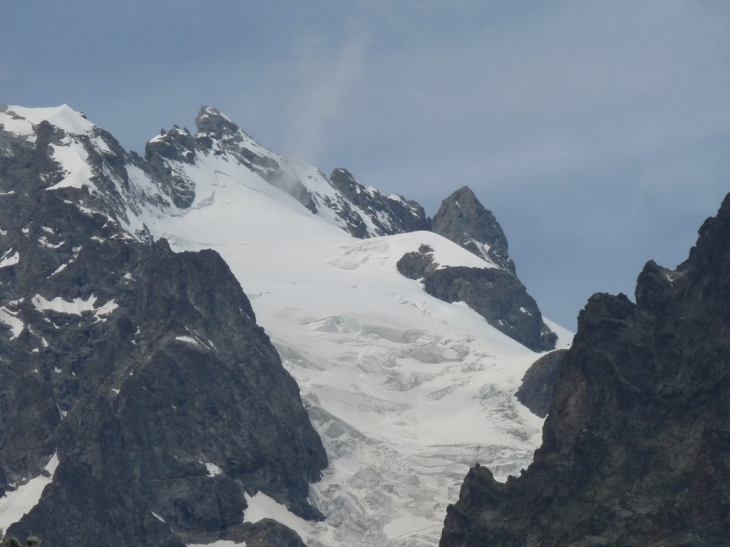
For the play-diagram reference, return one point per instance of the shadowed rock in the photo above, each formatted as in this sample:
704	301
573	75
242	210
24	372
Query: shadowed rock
141	368
538	383
465	221
636	442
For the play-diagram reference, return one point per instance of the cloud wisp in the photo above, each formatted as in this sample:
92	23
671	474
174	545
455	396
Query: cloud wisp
324	78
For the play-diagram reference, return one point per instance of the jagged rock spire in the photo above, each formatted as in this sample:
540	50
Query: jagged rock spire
465	221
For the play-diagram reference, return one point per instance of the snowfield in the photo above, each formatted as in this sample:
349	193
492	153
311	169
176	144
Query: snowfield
406	391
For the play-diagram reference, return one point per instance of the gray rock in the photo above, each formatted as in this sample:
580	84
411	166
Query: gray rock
465	221
416	264
499	297
636	442
141	398
538	383
496	294
390	214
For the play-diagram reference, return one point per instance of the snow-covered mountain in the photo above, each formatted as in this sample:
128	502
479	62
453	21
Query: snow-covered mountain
407	344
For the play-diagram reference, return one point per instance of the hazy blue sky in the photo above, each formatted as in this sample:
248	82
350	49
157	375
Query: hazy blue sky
597	131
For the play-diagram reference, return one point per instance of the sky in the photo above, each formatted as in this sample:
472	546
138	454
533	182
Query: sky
598	132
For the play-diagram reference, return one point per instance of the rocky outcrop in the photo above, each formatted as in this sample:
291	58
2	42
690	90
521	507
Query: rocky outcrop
417	264
636	442
359	210
465	221
142	370
538	383
499	297
495	294
389	214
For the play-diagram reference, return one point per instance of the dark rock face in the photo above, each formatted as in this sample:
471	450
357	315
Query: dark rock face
390	214
416	264
499	297
495	294
178	145
142	369
538	384
465	221
636	443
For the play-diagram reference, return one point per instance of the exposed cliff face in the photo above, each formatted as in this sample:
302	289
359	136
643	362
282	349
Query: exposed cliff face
636	443
499	297
465	221
494	293
538	383
141	369
389	214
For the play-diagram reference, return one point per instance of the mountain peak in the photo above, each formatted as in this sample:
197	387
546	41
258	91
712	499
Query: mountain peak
465	221
215	124
20	120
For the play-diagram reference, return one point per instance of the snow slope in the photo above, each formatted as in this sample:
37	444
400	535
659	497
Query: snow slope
405	390
17	503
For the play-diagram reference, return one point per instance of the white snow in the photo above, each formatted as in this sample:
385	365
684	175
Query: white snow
158	517
43	240
73	157
188	339
9	259
213	469
62	116
59	269
261	506
219	543
17	503
106	309
9	318
77	306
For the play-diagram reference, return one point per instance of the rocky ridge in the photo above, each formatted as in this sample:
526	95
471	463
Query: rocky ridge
360	210
494	292
538	383
139	371
636	440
